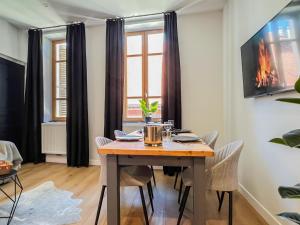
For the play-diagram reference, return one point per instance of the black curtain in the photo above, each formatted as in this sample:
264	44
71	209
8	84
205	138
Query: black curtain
77	105
171	81
114	81
34	100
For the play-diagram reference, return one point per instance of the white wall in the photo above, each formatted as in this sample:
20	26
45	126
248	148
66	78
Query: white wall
13	42
200	43
95	50
263	166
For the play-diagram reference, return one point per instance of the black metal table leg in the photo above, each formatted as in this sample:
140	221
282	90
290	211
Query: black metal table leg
15	199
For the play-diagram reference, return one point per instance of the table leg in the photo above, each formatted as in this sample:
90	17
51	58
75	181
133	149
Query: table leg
199	188
113	190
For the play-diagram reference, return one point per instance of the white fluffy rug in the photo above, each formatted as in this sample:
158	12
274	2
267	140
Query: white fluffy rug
44	205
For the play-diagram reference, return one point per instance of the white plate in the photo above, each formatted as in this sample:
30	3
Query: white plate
129	138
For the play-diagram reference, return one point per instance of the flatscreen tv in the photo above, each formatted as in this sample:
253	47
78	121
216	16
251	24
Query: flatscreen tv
271	58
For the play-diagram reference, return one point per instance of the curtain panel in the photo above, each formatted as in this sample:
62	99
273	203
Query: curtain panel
77	102
34	100
171	81
114	80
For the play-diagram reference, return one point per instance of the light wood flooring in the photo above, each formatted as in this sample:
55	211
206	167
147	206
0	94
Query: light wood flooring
84	183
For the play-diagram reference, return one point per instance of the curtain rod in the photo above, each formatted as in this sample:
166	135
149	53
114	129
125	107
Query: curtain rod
137	16
56	26
126	17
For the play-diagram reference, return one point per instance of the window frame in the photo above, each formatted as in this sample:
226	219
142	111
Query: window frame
54	99
144	54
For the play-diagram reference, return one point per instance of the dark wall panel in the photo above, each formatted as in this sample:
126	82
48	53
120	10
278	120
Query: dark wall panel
12	77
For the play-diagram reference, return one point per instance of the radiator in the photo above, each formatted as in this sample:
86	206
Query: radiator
54	137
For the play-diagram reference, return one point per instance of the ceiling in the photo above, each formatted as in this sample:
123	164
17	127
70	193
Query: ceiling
41	13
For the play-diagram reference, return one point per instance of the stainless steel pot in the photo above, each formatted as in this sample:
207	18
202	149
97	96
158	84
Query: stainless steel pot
153	134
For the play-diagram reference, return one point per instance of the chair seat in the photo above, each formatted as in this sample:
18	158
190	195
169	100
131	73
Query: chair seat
135	175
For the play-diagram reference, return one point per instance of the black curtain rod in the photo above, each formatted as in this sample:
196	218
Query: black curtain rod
126	17
51	27
137	16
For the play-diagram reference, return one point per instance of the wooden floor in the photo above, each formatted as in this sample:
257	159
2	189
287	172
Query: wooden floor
84	183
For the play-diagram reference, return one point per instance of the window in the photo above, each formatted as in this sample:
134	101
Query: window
143	72
59	83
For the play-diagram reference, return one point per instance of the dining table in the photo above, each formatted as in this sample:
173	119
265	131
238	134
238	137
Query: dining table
123	153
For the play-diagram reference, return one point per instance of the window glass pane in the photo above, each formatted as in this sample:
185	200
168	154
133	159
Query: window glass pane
61	82
61	51
134	45
155	43
133	108
61	108
157	114
134	76
154	75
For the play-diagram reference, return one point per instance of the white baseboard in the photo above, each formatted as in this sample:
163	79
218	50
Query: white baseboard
56	159
268	216
95	162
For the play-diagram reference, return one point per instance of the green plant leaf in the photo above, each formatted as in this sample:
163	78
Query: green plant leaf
294	217
144	107
297	85
290	192
154	106
289	100
292	138
278	141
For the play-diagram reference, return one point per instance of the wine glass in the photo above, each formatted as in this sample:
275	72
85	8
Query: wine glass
172	122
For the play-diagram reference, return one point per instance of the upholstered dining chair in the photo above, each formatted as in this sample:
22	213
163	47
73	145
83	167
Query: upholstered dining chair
210	139
222	175
138	176
120	133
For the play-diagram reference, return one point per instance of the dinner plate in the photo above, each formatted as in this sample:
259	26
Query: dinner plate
178	131
129	138
186	139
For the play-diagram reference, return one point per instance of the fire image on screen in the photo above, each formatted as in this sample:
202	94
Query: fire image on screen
271	58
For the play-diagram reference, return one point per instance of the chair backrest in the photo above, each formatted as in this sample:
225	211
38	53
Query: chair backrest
119	133
100	141
211	138
224	172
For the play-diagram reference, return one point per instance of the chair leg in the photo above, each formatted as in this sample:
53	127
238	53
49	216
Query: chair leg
230	207
150	195
100	203
150	190
144	205
218	195
180	190
153	175
183	203
176	178
221	199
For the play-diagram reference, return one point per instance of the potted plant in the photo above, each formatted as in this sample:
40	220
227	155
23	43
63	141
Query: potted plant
148	109
291	139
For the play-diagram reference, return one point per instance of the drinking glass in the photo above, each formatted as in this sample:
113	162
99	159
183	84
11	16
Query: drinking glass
168	126
172	122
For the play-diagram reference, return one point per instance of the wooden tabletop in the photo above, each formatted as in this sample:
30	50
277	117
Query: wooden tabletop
137	148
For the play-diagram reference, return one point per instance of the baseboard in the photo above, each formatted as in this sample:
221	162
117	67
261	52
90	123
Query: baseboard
268	216
95	162
56	159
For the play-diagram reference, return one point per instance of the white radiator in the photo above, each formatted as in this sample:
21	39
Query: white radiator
54	137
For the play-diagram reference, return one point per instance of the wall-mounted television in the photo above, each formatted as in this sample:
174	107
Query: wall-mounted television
271	58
